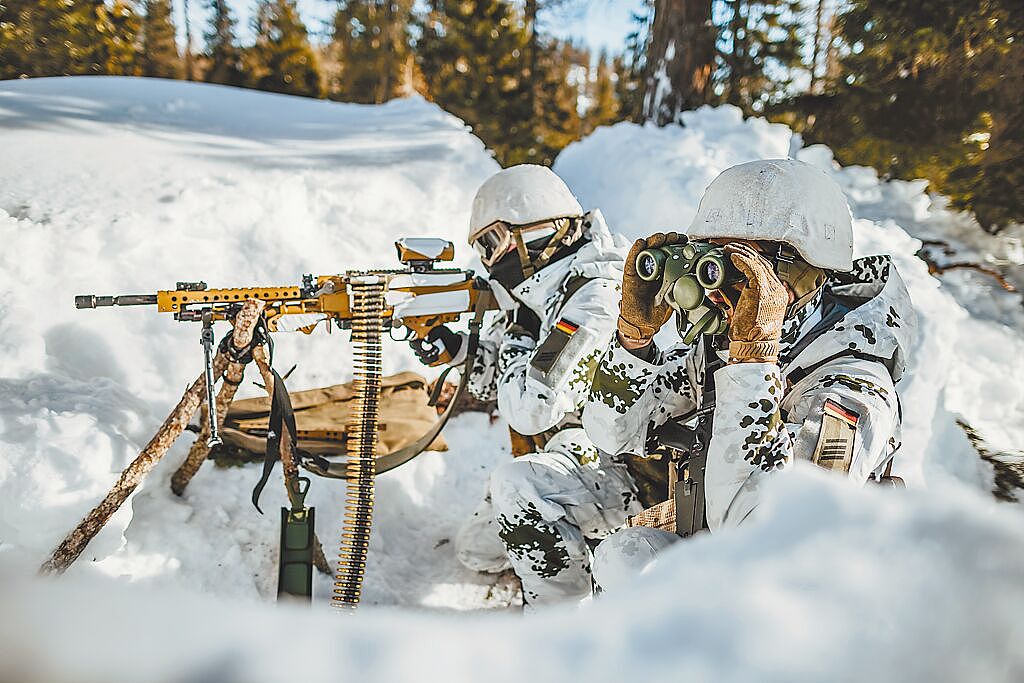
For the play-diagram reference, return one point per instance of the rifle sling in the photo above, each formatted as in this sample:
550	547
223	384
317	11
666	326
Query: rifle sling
282	417
339	470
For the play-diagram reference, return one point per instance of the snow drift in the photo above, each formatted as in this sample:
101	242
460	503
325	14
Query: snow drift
129	185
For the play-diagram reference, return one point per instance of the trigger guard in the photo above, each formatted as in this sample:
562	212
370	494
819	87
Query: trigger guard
408	336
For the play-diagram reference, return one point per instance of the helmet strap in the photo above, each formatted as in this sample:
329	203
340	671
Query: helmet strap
804	279
524	255
562	226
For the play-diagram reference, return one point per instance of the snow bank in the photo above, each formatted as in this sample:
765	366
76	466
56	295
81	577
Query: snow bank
113	185
872	585
129	185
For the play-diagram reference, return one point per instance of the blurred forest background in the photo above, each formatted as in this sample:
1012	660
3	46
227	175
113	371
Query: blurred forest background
915	89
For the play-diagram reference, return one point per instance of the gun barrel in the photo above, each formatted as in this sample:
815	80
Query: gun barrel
93	301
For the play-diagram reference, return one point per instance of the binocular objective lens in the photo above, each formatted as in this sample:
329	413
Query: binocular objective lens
646	266
710	272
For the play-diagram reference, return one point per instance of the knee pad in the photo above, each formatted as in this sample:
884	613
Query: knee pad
624	555
477	545
512	483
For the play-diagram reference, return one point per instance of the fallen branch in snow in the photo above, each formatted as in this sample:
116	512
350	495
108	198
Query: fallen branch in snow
200	451
76	541
288	464
935	268
1007	466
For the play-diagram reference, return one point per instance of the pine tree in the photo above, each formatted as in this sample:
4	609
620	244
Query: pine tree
121	34
159	47
628	88
223	53
372	41
282	59
471	57
935	92
23	26
604	103
763	48
558	81
67	37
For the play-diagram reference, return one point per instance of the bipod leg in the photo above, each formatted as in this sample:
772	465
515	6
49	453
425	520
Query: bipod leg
288	464
76	541
201	449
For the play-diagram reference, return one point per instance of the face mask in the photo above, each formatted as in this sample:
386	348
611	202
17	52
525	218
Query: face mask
508	271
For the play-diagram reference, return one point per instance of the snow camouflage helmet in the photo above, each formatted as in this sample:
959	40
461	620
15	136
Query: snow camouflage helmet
522	195
781	200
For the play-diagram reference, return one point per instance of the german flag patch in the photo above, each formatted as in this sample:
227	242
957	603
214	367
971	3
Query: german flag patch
845	414
567	326
834	450
548	352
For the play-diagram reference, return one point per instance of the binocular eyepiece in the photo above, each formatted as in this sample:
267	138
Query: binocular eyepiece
687	271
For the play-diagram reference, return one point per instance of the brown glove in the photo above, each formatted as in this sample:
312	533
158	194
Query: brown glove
639	316
756	324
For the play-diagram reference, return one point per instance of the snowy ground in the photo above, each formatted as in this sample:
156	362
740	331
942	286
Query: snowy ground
126	185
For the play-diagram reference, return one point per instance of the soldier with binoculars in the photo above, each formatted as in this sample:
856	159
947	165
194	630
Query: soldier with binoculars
789	349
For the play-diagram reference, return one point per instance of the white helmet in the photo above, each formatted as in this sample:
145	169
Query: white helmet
781	200
522	195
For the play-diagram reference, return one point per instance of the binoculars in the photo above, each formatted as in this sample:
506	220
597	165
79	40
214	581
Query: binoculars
687	272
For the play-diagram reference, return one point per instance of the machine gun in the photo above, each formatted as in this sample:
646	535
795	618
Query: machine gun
418	297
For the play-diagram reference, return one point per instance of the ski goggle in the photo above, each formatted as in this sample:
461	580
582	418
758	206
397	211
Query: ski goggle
493	241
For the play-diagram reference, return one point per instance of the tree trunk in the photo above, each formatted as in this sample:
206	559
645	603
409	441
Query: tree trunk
680	59
531	20
816	52
189	76
198	453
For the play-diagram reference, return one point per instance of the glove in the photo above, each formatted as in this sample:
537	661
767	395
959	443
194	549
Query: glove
441	345
756	323
640	317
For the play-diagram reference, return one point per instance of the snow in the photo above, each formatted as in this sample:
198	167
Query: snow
111	185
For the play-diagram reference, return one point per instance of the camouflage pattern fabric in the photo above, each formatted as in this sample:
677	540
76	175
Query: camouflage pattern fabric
542	506
768	414
548	503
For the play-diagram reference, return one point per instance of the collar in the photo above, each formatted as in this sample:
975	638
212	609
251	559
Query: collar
800	320
540	291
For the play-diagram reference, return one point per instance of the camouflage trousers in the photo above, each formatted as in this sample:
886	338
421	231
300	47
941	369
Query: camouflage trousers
543	507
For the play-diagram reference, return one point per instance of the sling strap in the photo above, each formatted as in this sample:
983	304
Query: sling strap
282	417
339	470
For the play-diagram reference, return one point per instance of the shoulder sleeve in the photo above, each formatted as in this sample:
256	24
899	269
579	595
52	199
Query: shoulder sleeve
843	416
539	386
852	390
630	396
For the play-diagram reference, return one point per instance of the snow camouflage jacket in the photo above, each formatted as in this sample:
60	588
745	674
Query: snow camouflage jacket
541	385
767	414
